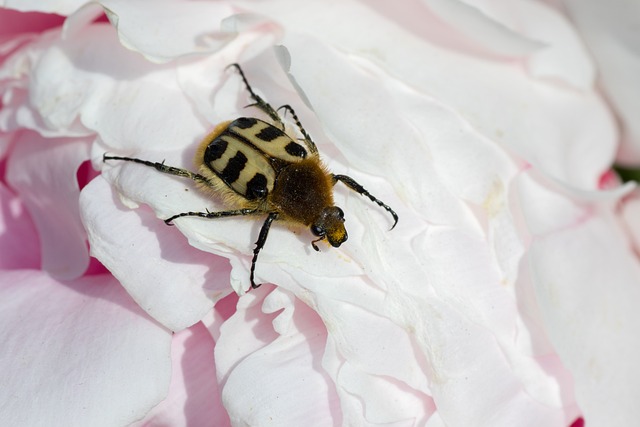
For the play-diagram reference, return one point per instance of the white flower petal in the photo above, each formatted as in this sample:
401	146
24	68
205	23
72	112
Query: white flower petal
271	379
631	215
608	29
565	57
486	24
527	29
142	26
83	350
380	400
177	285
439	140
107	89
567	133
586	284
196	28
17	111
60	7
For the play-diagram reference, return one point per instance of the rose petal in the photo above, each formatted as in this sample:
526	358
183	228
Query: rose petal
83	350
43	173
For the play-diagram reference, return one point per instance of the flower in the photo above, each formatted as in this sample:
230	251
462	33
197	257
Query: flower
505	294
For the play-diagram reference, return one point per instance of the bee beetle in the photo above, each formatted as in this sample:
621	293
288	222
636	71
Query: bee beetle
257	169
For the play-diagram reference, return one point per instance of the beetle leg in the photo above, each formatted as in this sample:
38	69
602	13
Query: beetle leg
259	102
262	238
161	167
210	215
352	184
307	139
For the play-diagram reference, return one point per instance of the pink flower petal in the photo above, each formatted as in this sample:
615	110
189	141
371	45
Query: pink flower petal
19	244
77	353
43	173
193	397
14	23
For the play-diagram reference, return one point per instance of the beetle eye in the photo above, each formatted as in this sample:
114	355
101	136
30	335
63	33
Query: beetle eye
318	231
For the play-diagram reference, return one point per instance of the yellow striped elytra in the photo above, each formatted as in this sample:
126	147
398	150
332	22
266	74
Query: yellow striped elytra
256	168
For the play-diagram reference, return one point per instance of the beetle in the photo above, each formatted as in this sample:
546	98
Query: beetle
256	168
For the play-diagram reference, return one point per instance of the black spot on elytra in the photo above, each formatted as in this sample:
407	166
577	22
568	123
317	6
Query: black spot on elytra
269	133
296	150
244	122
232	171
215	150
257	187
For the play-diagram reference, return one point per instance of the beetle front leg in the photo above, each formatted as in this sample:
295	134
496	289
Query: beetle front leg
352	184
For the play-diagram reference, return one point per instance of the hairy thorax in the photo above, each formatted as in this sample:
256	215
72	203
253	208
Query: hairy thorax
302	190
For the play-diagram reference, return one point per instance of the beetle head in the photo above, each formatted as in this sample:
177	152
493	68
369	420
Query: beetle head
329	225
